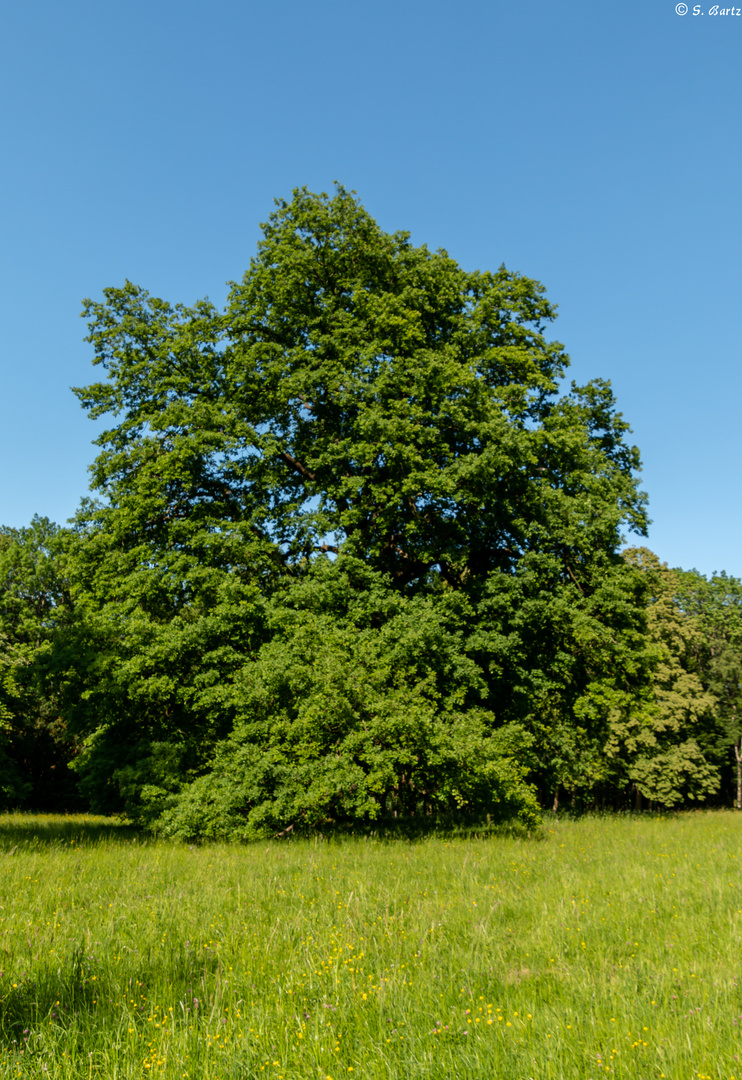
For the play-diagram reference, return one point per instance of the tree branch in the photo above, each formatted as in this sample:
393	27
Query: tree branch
297	466
569	571
328	547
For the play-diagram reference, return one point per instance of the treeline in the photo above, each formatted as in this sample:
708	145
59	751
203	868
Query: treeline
354	554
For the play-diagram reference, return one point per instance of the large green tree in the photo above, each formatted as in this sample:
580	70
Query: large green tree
362	399
363	394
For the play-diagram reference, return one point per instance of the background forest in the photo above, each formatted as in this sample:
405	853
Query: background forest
354	553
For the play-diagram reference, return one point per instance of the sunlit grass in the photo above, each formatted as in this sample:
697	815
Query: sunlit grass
606	948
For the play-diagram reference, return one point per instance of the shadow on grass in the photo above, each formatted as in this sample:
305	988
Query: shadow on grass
23	831
52	996
80	994
663	813
417	829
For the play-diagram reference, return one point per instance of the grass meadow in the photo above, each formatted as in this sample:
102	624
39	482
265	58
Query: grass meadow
601	947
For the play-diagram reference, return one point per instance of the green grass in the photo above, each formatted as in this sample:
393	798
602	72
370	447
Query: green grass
606	947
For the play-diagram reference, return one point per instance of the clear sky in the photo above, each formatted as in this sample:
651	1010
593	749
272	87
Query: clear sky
595	145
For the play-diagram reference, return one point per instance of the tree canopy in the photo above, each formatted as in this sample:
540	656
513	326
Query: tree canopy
363	395
354	550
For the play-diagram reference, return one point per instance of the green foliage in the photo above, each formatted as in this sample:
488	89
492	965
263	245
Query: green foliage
556	652
36	612
362	704
157	677
407	412
34	590
354	553
715	605
364	400
357	393
13	787
667	748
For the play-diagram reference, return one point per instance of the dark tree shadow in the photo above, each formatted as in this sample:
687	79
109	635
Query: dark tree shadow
80	995
417	828
57	830
59	995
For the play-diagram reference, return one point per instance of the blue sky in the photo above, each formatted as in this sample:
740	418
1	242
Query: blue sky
595	146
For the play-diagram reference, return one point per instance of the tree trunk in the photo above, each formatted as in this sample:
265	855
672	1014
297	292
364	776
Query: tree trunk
555	807
738	755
